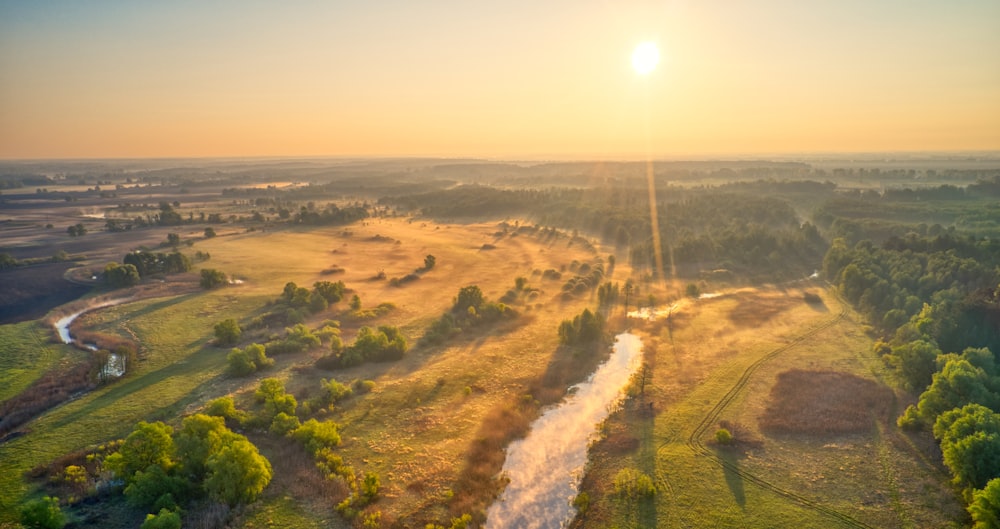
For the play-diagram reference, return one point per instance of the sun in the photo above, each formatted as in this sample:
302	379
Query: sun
645	57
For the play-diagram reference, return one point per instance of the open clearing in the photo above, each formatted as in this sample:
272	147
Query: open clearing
804	458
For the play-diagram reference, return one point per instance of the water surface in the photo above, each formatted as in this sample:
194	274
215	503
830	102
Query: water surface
545	467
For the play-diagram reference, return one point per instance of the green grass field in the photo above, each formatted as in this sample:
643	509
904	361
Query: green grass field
412	429
710	371
27	351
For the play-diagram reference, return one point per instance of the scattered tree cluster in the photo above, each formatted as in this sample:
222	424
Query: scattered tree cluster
586	327
149	263
470	309
381	344
120	276
164	470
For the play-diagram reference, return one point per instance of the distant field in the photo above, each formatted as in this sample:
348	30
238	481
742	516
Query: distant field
715	367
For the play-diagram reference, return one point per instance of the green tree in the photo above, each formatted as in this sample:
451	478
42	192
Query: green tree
355	302
173	239
199	437
957	384
212	278
239	363
316	435
209	232
970	444
331	291
227	332
284	423
915	362
237	473
43	513
120	276
223	407
429	262
470	296
166	519
985	506
155	488
149	444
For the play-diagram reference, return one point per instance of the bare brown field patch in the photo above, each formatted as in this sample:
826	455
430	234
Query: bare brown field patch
825	403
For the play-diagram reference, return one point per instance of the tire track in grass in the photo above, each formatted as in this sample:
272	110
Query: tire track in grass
693	440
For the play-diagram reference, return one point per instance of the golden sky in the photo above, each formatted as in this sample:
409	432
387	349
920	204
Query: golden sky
515	79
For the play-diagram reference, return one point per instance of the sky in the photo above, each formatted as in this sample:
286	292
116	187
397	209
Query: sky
514	79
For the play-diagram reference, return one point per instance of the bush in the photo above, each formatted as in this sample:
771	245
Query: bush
166	519
633	484
227	332
316	435
284	423
43	513
692	290
212	278
245	361
723	436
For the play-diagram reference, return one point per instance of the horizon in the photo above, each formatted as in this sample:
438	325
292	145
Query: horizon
111	80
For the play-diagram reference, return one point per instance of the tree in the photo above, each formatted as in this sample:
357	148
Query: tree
166	519
173	239
149	444
316	435
120	276
284	423
156	488
915	363
985	506
43	513
209	232
212	278
957	384
355	302
237	473
331	291
227	332
429	262
239	362
470	296
76	230
199	437
223	407
970	444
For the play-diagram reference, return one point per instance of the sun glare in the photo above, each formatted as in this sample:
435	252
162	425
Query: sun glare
645	57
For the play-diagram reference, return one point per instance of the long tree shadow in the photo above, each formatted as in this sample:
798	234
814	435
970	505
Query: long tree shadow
730	467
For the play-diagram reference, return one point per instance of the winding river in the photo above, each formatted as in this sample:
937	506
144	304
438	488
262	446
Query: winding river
544	468
115	365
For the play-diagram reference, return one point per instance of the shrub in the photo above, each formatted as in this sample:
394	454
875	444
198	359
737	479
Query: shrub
227	332
212	278
284	423
633	484
723	436
316	435
166	519
43	513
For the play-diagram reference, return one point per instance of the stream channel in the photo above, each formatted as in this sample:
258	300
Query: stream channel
115	366
544	469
